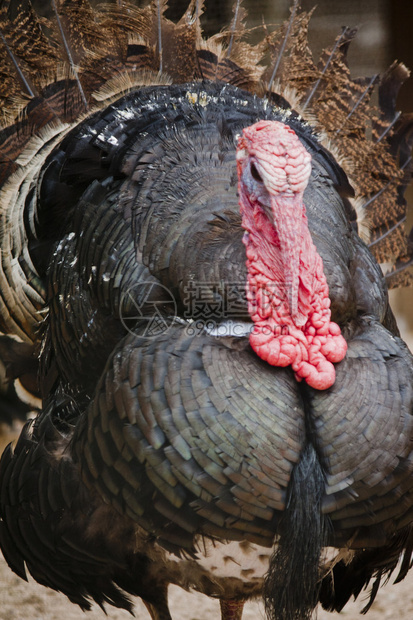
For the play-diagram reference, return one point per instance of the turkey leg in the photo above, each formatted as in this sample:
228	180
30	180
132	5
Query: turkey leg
231	610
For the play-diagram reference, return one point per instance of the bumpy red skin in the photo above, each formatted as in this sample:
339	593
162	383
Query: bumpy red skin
288	297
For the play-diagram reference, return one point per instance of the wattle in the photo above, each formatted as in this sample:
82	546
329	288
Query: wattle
311	348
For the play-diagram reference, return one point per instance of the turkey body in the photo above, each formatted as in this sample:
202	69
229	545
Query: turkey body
167	451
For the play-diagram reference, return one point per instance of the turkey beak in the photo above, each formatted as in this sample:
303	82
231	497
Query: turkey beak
287	211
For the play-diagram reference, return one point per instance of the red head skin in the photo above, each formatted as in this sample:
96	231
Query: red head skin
287	291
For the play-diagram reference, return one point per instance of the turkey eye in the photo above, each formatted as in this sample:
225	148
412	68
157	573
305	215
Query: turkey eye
254	172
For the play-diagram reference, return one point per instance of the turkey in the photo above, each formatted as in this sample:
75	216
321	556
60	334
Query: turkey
191	230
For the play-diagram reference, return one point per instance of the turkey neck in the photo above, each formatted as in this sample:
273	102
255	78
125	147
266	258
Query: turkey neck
280	267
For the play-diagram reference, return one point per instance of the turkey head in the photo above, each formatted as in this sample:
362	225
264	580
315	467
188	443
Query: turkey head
288	297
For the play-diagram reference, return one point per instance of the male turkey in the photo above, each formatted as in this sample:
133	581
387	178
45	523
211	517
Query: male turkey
189	240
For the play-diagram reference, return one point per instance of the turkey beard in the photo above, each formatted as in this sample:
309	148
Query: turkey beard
287	291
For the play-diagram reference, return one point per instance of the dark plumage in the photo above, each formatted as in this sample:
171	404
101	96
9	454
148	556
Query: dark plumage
167	450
